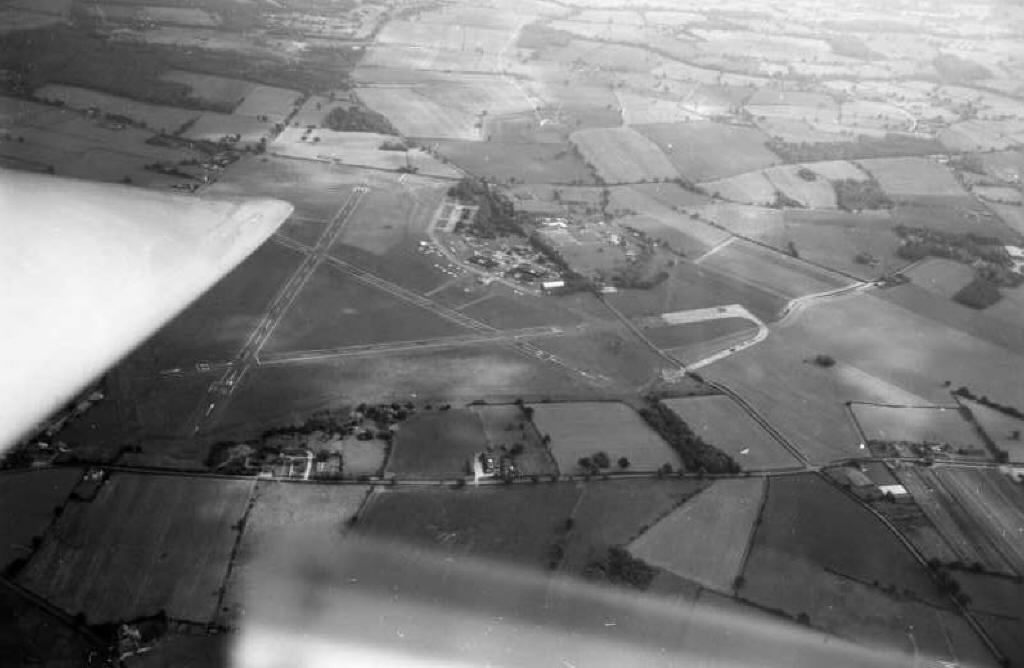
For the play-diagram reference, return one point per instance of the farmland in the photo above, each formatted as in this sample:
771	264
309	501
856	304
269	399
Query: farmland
506	425
912	177
703	151
719	420
437	445
771	271
1004	430
622	155
916	424
146	543
723	516
508	162
581	429
28	501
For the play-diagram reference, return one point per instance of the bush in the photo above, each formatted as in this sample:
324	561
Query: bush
824	361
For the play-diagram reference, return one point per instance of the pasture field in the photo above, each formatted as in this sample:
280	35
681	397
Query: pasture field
816	194
274	103
28	500
182	16
505	425
672	337
1010	308
835	170
359	149
902	177
706	539
941	276
1001	428
437	445
212	126
216	325
612	352
960	530
747	188
516	162
721	422
704	151
993	594
217	90
771	270
158	118
616	512
924	424
622	155
146	543
281	513
580	429
361	458
415	115
642	109
999	194
517	524
31	635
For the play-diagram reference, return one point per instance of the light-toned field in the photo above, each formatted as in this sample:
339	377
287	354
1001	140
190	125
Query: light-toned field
638	109
916	425
359	458
27	503
212	126
722	423
360	149
274	103
517	163
912	176
836	170
999	194
771	270
941	276
1001	428
622	155
704	151
748	188
579	429
418	116
155	117
146	543
184	16
723	517
816	194
282	514
212	88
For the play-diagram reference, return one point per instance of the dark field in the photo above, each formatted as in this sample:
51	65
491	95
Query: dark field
517	162
437	445
678	336
27	503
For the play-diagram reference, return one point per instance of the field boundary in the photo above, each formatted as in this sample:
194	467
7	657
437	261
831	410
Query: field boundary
239	534
754	526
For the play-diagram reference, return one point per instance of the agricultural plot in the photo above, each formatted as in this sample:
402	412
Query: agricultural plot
213	127
1004	430
517	524
580	429
273	103
220	91
360	149
155	117
835	170
28	500
771	270
674	337
641	109
418	116
721	422
749	188
907	177
437	445
704	151
505	426
145	544
923	424
816	193
182	16
622	155
723	517
282	514
941	276
517	163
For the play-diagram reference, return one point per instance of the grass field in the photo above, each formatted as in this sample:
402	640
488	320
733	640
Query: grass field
816	194
282	513
517	162
912	176
274	103
747	188
156	117
721	422
771	270
360	149
706	539
917	425
437	445
704	151
941	276
212	126
219	90
579	429
1001	428
504	426
145	544
622	155
670	337
28	500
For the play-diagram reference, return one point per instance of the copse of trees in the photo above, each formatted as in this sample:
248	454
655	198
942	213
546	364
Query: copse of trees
696	454
854	195
620	567
978	294
353	118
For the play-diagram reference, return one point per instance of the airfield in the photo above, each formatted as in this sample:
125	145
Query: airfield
728	295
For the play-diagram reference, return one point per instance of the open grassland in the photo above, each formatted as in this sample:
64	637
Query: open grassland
273	103
622	155
672	337
912	176
155	117
505	426
213	127
418	116
941	276
28	501
516	524
145	544
580	429
706	539
334	310
1005	430
703	151
721	422
923	424
283	512
511	162
612	352
617	511
211	88
360	149
644	109
817	193
747	188
437	445
771	270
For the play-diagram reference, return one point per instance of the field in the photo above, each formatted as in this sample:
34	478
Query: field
704	151
748	188
274	103
706	539
771	270
282	515
213	127
437	445
721	422
1001	428
517	524
941	276
214	89
509	162
28	500
916	425
504	426
156	117
146	543
622	155
580	429
361	149
674	337
816	194
912	176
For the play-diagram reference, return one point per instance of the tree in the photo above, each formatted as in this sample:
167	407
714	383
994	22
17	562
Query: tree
585	462
623	463
601	459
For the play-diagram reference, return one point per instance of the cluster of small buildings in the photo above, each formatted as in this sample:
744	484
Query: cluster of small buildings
487	465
